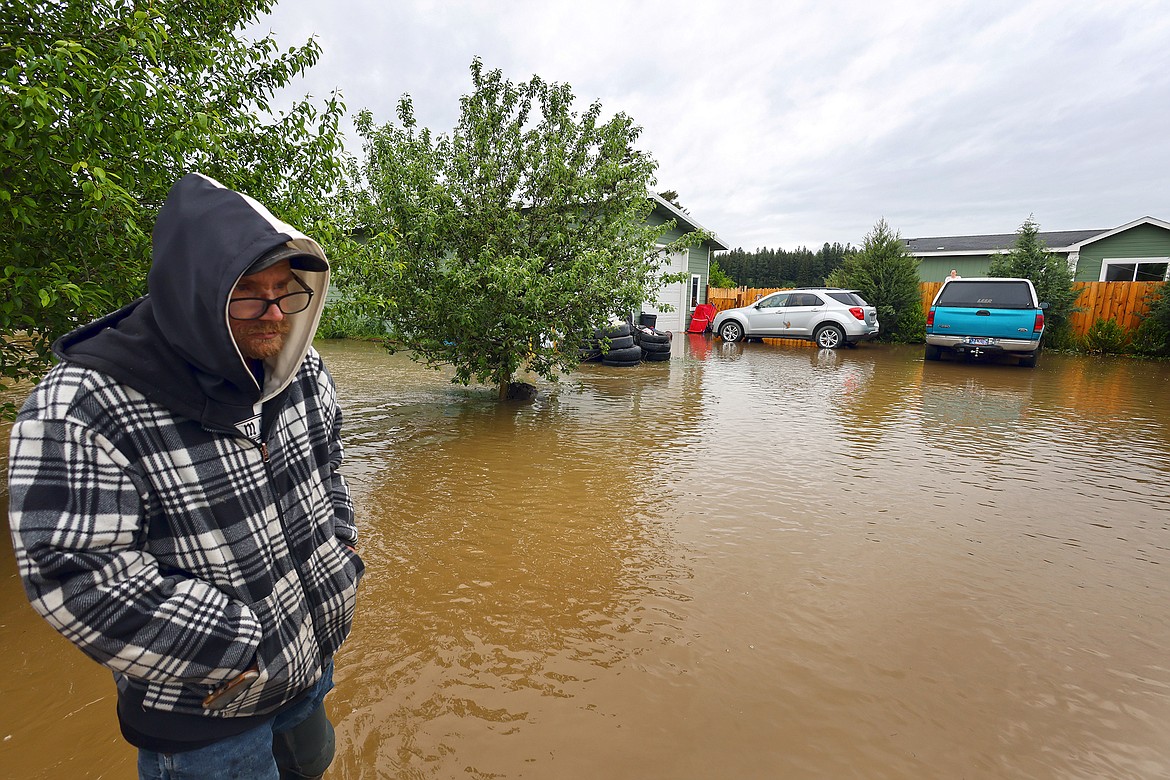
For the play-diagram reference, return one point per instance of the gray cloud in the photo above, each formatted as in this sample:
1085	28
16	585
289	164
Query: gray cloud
799	123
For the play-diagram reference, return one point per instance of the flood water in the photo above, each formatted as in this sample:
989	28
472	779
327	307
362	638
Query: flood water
754	561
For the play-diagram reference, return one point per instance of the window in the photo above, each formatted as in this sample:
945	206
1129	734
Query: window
695	279
1135	269
804	299
848	298
772	301
985	295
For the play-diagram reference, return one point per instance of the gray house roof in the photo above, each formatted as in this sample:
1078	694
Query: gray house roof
1054	241
1059	239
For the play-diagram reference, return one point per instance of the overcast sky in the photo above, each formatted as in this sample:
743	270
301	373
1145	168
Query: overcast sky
783	124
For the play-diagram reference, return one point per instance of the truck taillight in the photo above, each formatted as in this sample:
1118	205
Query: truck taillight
1039	325
857	312
930	319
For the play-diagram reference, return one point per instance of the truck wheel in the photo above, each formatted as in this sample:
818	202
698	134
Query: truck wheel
829	336
932	352
1029	360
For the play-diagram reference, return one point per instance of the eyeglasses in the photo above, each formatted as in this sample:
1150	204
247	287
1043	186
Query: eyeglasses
255	308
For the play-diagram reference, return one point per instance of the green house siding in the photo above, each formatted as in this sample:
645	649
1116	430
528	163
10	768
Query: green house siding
1146	241
699	262
935	269
698	257
657	218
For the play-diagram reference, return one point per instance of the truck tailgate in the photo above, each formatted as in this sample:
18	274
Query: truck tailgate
993	323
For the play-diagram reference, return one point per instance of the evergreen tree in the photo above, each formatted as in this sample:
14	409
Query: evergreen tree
766	267
1050	274
887	277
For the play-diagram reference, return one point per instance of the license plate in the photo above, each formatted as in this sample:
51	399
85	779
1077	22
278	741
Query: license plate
981	342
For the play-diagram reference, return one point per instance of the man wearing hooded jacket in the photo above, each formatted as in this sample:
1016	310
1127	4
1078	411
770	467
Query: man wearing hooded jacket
175	501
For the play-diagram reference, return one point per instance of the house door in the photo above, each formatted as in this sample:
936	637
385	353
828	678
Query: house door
674	294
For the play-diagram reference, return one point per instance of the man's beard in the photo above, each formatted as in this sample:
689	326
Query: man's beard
260	349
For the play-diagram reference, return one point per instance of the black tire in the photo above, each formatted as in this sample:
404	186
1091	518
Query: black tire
623	355
652	347
613	331
1029	360
652	338
932	352
829	336
731	331
622	363
656	357
620	342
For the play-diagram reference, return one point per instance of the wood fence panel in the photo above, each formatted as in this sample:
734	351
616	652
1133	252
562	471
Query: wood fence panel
929	290
1087	301
722	298
1124	302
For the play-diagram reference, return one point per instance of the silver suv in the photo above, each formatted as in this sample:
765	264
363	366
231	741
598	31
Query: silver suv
830	316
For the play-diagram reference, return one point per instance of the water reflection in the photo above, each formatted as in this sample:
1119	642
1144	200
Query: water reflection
755	560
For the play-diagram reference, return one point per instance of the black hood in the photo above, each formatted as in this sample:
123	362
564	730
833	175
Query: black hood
175	345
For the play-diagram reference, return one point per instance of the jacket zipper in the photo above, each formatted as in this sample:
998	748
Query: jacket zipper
288	540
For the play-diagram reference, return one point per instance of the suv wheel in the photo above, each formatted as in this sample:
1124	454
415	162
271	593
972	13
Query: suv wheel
731	331
829	336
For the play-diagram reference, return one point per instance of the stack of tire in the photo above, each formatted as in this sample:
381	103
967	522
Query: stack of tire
654	343
628	345
623	352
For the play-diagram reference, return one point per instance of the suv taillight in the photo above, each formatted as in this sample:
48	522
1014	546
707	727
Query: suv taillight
857	312
930	319
1039	325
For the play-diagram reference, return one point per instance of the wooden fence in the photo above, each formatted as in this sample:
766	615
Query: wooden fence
1121	301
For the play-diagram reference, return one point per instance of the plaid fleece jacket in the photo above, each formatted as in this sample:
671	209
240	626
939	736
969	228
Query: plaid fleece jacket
178	556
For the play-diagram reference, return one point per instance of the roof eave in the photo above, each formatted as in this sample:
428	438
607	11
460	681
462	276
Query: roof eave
686	219
1140	221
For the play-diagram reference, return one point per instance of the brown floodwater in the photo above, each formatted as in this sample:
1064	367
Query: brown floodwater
754	561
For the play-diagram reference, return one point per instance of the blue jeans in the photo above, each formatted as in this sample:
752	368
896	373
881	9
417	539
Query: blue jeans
297	743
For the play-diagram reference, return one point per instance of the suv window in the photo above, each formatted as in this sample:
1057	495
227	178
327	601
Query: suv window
804	299
848	298
986	295
773	301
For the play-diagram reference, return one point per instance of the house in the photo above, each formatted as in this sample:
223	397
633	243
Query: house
1136	251
683	296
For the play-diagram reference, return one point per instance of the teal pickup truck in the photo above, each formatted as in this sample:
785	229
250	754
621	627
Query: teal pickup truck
986	317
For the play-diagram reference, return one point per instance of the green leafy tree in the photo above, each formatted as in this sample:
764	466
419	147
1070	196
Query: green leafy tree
887	276
1051	276
1153	333
718	277
105	105
502	245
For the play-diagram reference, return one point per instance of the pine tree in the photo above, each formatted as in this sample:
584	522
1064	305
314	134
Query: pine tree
1050	274
887	277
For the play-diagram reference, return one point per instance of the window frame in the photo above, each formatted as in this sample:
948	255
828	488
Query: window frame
1106	262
